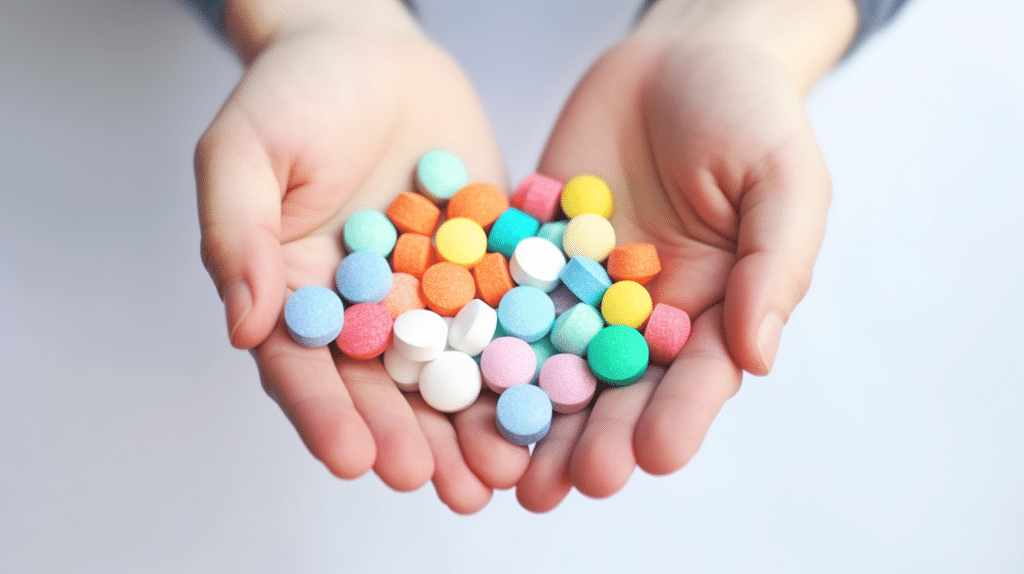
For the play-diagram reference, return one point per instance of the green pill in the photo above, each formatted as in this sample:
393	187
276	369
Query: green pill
369	230
618	355
439	174
509	229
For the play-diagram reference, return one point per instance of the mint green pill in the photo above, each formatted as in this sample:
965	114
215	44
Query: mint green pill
369	230
544	350
439	174
618	355
574	329
553	231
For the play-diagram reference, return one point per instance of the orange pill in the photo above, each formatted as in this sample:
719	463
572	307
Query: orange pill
412	212
413	254
493	279
481	202
634	262
447	287
405	295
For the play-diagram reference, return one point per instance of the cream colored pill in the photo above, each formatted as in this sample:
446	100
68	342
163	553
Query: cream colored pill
590	236
537	262
404	372
420	335
472	328
451	382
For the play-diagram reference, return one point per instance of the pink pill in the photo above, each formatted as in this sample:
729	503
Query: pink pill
667	329
567	380
507	361
367	331
538	195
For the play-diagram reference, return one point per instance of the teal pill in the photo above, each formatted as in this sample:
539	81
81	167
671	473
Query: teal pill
618	355
439	174
586	278
544	350
509	229
364	277
526	312
574	329
523	414
314	316
553	232
369	230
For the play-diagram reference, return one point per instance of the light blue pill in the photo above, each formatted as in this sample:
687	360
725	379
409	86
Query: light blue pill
314	316
369	230
524	414
544	350
363	277
553	232
586	278
526	312
509	229
574	329
440	173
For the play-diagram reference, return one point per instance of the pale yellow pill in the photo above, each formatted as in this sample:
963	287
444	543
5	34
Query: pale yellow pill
590	236
626	303
587	194
461	241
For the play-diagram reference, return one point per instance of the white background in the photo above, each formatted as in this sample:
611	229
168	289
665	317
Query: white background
889	438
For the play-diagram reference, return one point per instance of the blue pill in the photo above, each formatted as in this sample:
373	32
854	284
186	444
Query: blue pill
553	232
314	316
526	312
524	414
364	277
586	278
509	229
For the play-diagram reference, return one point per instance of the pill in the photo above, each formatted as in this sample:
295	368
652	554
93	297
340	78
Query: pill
404	296
404	372
413	254
439	174
451	382
574	329
507	361
523	414
472	328
563	299
420	335
526	312
586	279
634	261
553	231
367	331
626	303
369	230
618	355
447	287
568	382
544	350
481	202
536	262
509	229
412	212
586	193
588	235
666	332
314	316
461	241
492	278
363	277
538	195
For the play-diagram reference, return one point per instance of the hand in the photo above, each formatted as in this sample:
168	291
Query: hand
336	105
701	134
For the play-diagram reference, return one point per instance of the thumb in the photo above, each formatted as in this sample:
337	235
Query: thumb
239	200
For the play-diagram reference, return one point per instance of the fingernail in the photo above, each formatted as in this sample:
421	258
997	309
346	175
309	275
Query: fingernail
237	302
768	336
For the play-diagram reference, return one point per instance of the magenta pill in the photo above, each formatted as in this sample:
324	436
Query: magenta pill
567	380
507	361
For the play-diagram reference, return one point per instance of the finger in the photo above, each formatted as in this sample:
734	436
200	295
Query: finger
547	480
305	384
455	483
404	461
499	463
604	459
686	401
239	215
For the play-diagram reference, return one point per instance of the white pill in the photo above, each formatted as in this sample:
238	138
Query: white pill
420	335
450	382
473	328
404	372
537	262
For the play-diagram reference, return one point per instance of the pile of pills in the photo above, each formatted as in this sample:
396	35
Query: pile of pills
504	294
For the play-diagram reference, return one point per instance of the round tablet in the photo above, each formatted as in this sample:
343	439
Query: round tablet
461	241
472	328
526	312
586	279
568	382
420	335
523	414
544	350
481	202
413	254
618	355
587	194
634	261
447	287
369	230
412	212
492	278
363	277
509	229
538	195
666	332
439	174
574	329
588	235
451	382
405	372
626	303
507	361
366	332
314	316
563	298
553	231
538	262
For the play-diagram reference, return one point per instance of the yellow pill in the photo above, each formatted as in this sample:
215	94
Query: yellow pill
461	241
626	303
589	235
587	194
